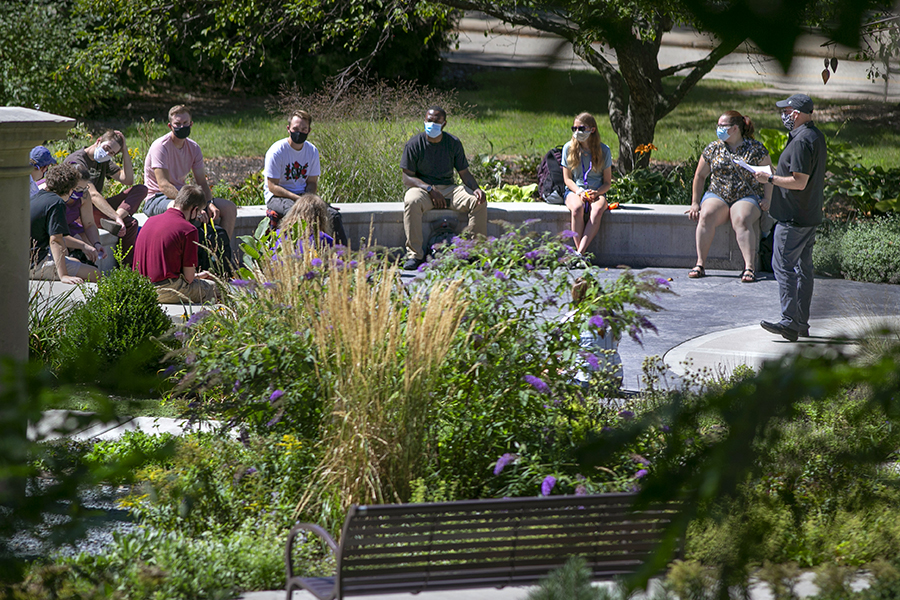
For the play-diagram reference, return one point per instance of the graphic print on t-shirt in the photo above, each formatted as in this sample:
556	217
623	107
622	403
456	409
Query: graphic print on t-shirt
295	171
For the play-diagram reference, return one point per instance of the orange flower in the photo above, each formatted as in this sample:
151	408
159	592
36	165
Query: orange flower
644	149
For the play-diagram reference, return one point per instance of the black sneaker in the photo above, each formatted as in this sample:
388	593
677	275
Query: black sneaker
412	264
779	329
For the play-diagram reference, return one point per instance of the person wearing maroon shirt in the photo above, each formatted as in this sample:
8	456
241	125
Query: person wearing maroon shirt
166	251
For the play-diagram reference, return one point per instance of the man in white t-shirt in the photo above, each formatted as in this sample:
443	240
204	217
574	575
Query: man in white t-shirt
169	160
292	169
292	166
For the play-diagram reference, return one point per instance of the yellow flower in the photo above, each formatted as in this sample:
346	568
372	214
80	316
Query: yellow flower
644	149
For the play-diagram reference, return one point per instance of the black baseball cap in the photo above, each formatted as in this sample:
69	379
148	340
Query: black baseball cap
801	102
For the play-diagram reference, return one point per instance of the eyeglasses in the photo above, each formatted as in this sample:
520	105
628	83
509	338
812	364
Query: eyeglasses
579	128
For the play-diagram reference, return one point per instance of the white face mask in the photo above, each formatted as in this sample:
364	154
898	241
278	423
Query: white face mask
101	155
582	136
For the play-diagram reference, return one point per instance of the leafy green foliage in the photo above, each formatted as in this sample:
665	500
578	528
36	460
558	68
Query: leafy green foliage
46	62
870	250
247	193
645	186
115	323
512	193
867	189
571	582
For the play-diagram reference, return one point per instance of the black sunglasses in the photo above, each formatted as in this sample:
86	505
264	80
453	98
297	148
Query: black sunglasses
579	128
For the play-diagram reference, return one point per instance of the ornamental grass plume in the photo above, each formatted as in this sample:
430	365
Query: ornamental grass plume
379	353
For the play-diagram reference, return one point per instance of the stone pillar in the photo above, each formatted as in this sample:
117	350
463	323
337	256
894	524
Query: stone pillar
21	129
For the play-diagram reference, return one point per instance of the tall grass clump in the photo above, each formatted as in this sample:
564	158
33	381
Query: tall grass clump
361	134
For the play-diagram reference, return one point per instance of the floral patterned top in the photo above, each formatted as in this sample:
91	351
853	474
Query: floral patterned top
729	181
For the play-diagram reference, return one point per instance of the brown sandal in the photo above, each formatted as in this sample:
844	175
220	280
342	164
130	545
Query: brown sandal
748	276
697	272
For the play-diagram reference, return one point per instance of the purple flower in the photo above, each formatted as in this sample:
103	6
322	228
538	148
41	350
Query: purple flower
242	283
598	322
626	414
236	386
197	317
461	253
250	471
530	221
502	462
538	384
370	254
276	395
529	266
316	262
532	254
663	282
500	275
169	370
422	267
580	490
592	361
338	263
270	285
180	335
665	429
567	233
353	264
641	473
310	275
547	485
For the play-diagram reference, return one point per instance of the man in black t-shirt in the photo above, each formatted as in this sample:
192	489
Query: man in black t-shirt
428	162
797	200
48	228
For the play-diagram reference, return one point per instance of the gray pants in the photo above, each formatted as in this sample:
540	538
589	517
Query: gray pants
793	266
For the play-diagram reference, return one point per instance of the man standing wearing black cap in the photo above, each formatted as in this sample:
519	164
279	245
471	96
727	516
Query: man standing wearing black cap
797	209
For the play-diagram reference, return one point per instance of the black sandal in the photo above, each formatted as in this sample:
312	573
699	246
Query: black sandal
697	272
748	276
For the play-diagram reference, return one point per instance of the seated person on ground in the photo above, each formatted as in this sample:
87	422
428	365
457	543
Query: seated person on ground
83	241
49	259
310	214
587	172
166	251
733	192
116	213
292	168
428	161
41	159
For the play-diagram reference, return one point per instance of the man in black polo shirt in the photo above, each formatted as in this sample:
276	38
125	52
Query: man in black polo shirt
797	201
428	161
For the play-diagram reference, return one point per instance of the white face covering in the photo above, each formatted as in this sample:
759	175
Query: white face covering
582	136
101	155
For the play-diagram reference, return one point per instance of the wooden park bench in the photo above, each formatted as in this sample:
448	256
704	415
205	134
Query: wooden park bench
411	548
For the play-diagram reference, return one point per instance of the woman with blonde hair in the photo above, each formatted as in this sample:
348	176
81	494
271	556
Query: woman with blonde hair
587	172
311	214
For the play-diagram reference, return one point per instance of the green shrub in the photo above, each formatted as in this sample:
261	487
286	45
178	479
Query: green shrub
868	189
570	582
870	250
827	249
115	323
643	186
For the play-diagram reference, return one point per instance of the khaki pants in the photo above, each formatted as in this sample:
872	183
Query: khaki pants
179	291
417	202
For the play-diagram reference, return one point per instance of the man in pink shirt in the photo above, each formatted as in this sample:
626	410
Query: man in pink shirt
168	163
166	251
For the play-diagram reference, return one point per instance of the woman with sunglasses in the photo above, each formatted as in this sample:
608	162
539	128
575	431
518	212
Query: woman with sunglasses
587	172
733	191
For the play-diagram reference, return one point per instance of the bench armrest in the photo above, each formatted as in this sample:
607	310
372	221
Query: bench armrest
292	580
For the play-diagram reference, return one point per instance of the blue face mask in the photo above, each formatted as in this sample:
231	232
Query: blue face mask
432	130
722	132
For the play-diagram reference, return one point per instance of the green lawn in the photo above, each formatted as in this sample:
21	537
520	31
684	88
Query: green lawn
527	111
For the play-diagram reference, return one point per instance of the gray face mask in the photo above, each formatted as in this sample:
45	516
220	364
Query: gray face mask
788	120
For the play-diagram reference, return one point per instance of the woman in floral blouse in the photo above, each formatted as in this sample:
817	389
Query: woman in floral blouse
733	191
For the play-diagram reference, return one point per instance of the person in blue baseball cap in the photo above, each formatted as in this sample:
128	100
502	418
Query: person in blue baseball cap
41	159
797	200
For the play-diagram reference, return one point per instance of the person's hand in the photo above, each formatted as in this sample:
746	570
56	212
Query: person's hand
213	212
204	275
121	223
765	203
437	198
101	252
481	196
90	252
590	196
71	280
693	212
203	217
124	144
762	177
